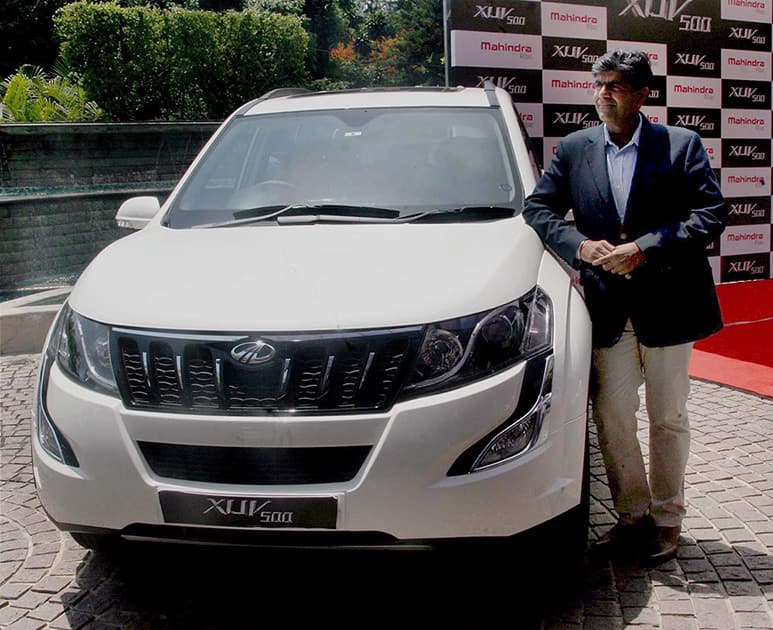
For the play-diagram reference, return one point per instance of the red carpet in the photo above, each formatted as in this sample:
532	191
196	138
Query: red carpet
741	354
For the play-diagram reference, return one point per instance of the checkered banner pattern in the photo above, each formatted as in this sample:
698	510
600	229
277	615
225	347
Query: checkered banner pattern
712	65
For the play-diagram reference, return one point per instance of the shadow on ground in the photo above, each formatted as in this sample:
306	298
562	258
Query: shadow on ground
180	586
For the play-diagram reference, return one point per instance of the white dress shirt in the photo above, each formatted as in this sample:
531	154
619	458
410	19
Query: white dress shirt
620	165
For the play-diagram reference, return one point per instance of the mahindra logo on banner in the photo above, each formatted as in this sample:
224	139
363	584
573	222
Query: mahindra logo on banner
745	239
559	53
510	84
570	20
522	85
745	152
665	9
747	10
531	115
704	62
746	64
567	87
496	15
671	11
745	94
748	211
748	37
477	49
502	14
745	182
745	267
562	119
713	147
694	92
745	123
706	122
655	115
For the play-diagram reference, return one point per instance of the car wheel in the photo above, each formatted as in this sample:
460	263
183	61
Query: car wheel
567	534
559	546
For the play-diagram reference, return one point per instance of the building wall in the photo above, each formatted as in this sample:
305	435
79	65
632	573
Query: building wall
712	65
61	185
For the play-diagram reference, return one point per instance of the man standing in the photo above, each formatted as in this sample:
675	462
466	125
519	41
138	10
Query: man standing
646	204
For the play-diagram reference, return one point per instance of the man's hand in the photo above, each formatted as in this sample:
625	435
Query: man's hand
590	251
621	260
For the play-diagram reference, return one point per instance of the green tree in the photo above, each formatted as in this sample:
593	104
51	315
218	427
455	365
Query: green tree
144	63
327	27
418	52
32	95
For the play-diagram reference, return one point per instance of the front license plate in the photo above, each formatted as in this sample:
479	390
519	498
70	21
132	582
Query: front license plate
261	512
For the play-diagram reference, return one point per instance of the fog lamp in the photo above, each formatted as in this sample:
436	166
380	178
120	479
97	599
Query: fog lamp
515	438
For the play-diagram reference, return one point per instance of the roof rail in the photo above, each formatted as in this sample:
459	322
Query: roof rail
490	90
276	93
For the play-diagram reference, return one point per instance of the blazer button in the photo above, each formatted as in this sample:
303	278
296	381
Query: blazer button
623	236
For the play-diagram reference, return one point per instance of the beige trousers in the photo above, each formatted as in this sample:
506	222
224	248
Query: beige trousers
618	372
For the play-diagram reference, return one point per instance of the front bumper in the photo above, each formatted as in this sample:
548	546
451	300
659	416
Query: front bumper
402	489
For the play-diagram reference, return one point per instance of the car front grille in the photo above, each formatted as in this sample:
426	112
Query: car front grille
309	373
254	466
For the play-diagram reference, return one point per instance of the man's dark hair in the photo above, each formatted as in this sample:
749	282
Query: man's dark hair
633	65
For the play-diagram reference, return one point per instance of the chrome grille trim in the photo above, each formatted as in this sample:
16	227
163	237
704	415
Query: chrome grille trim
312	373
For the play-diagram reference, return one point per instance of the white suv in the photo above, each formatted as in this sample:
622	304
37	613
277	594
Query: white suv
338	328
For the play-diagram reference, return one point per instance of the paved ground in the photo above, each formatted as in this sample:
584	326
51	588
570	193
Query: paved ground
723	577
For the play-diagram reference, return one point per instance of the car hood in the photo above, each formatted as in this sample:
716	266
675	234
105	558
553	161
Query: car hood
311	277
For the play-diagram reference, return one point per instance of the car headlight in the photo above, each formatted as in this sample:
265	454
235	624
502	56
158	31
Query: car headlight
466	349
81	348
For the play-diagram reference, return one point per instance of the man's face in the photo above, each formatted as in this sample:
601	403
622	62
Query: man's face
616	103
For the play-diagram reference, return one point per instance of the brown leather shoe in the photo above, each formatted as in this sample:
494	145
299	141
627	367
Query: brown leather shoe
663	546
627	534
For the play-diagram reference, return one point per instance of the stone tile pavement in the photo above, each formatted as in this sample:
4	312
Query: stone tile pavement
722	578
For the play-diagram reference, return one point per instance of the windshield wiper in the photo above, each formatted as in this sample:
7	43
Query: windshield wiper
300	213
303	214
463	213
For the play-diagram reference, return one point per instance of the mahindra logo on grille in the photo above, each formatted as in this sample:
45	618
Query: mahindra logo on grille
253	352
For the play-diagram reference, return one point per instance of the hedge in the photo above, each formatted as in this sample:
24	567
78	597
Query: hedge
144	63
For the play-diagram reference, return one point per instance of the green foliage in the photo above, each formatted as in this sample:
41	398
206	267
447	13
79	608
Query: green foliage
286	7
144	63
327	27
418	52
31	95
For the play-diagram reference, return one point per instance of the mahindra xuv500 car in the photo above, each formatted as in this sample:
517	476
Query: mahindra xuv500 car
338	327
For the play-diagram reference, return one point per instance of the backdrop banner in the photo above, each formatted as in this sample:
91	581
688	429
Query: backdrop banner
712	65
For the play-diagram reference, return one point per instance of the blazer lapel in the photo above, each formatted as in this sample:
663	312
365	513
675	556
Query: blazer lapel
646	163
596	159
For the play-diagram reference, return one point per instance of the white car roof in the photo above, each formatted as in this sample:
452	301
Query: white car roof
346	99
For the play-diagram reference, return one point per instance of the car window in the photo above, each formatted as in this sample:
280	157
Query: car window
409	159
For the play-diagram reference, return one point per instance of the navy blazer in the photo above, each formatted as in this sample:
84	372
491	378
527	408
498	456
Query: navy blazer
675	209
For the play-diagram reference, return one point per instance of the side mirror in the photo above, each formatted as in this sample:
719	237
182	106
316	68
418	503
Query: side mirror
136	213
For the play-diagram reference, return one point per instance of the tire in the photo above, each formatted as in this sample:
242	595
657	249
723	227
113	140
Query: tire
558	547
567	534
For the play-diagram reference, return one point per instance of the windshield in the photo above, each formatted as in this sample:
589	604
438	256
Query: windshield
404	160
